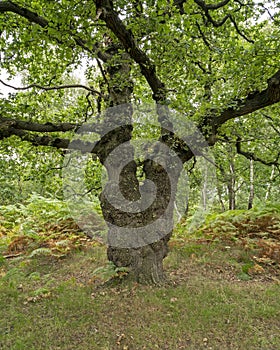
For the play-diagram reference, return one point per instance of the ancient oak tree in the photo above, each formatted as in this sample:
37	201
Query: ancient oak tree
214	62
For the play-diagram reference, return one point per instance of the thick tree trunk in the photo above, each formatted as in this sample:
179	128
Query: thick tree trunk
130	232
137	238
145	263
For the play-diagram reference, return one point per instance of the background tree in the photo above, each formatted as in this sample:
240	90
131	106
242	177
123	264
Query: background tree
216	63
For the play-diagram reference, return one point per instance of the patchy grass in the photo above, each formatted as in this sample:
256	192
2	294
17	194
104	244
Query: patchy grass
61	303
223	290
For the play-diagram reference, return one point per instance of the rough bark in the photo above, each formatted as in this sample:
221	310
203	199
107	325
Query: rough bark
144	260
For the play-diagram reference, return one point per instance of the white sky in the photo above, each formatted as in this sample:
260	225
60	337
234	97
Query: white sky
16	81
4	90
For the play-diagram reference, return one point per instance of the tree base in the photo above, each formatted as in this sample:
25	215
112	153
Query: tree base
145	264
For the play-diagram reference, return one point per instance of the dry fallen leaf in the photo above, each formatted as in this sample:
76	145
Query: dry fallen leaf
256	270
120	338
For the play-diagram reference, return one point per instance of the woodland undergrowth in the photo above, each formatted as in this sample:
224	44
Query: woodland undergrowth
43	226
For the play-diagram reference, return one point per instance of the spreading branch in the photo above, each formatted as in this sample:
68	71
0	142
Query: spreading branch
207	8
252	156
32	17
37	127
36	140
49	88
9	6
49	141
105	12
14	124
253	102
126	38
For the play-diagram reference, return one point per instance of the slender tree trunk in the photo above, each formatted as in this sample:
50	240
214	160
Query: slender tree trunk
204	192
270	183
219	192
251	195
231	187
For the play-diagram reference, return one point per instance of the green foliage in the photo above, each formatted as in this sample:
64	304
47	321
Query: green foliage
36	228
231	223
40	252
206	60
110	271
190	55
35	214
2	260
236	222
41	171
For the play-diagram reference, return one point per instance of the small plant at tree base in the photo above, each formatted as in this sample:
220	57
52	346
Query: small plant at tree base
110	271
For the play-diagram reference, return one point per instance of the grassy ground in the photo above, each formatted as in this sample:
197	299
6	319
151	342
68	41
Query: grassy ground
52	303
223	291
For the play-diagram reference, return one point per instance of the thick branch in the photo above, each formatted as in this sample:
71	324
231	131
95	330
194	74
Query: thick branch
56	142
253	102
31	126
9	6
34	139
15	124
125	36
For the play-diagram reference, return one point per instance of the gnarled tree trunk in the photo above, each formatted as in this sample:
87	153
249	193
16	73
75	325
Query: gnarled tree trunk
139	240
138	232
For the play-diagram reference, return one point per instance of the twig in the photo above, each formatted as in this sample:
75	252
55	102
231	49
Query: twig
48	88
10	256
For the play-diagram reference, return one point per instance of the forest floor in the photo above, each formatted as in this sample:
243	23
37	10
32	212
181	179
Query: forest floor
223	292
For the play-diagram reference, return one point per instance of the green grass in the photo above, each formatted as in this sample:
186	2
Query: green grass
223	291
51	303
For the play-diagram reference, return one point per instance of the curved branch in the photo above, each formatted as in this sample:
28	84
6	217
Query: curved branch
49	88
253	102
252	156
9	6
6	123
126	38
207	7
239	31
